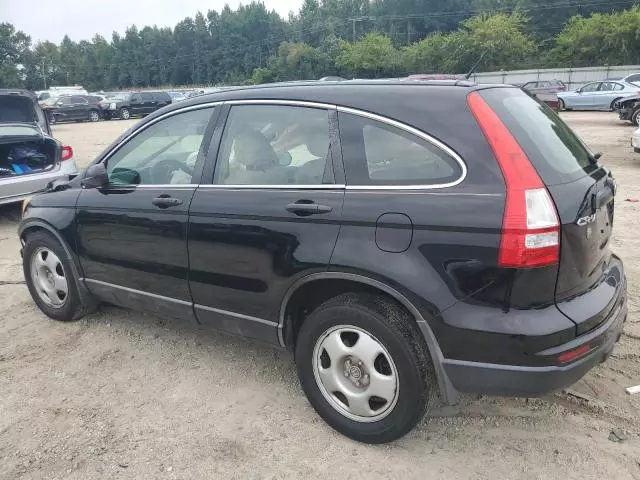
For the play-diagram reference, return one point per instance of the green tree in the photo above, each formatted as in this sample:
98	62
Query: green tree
372	56
14	53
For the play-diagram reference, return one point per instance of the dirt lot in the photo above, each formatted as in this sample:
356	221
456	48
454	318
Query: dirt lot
125	395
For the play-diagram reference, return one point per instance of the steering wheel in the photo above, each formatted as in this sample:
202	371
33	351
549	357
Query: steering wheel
162	171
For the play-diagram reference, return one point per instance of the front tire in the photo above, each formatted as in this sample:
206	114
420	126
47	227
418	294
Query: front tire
94	116
125	114
612	107
49	276
635	117
365	367
561	106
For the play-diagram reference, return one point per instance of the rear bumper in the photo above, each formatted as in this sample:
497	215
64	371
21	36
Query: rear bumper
526	381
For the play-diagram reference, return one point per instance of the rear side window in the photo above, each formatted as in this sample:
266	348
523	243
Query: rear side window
556	152
377	153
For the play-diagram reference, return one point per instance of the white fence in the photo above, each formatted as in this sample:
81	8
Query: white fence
573	77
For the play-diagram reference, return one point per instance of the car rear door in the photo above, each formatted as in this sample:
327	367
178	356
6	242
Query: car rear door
79	108
586	97
583	192
132	234
270	215
136	106
148	102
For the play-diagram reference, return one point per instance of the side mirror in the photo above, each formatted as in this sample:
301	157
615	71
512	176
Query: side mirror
95	177
579	90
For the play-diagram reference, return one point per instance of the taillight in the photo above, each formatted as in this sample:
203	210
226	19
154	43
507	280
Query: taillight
530	227
67	153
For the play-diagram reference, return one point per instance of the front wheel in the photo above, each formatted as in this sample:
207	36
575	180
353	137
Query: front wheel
94	116
635	117
125	114
49	277
365	367
561	105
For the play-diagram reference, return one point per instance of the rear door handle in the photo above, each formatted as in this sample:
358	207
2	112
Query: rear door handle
308	208
166	201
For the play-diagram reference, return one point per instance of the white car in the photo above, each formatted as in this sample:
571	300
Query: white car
635	141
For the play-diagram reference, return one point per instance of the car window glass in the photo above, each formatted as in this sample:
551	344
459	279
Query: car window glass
136	97
633	78
275	145
78	99
147	97
544	84
591	87
65	100
164	153
530	85
618	86
380	154
606	87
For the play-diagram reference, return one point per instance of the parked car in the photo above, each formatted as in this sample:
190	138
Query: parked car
68	108
341	221
30	158
130	104
596	96
629	109
545	87
633	78
177	96
55	92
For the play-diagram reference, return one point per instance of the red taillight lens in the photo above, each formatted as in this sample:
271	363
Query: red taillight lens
573	354
530	228
67	153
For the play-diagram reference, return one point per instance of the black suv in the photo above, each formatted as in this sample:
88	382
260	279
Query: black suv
127	105
403	239
79	108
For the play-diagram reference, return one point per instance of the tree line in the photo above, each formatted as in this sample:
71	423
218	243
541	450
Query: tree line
351	38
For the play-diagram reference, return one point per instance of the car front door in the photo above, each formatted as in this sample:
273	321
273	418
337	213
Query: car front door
148	103
79	107
270	216
132	234
137	104
604	96
585	97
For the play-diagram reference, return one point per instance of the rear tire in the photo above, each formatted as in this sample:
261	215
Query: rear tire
378	381
561	106
125	114
635	117
50	278
94	116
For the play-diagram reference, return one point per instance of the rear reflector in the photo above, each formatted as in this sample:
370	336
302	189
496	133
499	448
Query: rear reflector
573	354
530	227
67	153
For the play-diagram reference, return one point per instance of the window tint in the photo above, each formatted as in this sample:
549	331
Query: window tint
65	100
147	97
164	153
606	87
555	151
78	99
380	154
633	78
531	85
591	87
618	86
544	84
275	145
135	97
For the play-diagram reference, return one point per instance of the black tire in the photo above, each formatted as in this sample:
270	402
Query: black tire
612	107
73	307
635	117
94	116
392	327
124	114
561	105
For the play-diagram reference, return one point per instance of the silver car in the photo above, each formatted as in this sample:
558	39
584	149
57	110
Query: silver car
30	158
596	95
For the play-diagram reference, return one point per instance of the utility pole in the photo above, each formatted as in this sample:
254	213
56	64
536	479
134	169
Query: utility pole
44	75
353	28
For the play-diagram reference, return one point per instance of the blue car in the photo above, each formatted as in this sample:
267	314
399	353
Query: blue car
596	95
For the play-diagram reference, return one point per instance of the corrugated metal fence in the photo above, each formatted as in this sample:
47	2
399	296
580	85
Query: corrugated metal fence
573	77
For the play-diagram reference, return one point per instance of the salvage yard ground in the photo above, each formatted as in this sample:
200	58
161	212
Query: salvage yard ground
127	395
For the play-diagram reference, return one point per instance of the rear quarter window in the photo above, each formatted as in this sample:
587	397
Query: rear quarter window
555	150
377	153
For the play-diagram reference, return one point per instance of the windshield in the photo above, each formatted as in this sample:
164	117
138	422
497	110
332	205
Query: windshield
17	108
556	152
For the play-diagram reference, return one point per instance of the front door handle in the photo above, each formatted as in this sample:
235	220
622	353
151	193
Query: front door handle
165	201
308	208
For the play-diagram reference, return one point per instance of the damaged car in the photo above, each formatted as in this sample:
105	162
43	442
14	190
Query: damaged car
628	109
30	158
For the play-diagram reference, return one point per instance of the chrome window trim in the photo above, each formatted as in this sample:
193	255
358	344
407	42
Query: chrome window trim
417	133
299	103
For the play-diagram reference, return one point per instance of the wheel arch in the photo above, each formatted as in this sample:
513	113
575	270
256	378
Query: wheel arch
364	283
36	225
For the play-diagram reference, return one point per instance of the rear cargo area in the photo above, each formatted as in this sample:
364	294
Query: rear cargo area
26	157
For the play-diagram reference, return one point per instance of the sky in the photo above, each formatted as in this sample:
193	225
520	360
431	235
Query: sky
82	19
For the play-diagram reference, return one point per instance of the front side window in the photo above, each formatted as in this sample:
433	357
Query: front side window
377	153
162	154
591	87
275	145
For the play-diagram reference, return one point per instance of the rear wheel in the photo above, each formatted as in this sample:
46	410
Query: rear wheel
365	367
635	117
561	106
125	114
612	106
94	116
49	277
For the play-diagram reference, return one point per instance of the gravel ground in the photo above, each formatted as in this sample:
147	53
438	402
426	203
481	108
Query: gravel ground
126	395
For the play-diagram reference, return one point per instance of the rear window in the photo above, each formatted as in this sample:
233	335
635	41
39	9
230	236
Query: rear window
17	108
556	152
